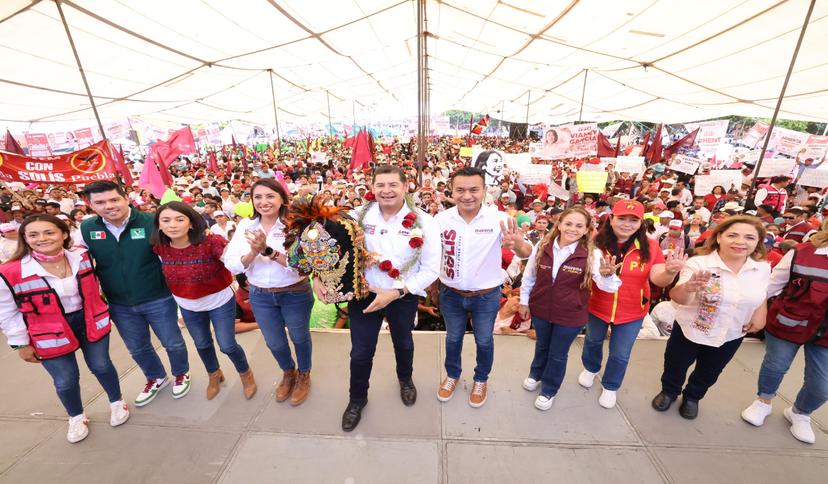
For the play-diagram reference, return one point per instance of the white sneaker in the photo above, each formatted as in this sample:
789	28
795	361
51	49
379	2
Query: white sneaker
586	378
530	384
607	398
118	413
150	391
800	426
544	403
78	428
756	413
181	385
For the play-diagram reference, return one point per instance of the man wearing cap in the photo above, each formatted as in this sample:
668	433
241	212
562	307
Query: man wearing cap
674	239
17	215
8	243
470	276
797	226
664	219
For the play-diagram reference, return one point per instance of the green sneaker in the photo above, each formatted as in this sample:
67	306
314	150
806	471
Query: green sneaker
181	386
153	386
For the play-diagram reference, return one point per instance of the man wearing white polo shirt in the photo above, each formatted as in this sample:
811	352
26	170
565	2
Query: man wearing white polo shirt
470	274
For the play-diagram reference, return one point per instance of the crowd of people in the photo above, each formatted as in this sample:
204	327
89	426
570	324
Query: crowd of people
446	251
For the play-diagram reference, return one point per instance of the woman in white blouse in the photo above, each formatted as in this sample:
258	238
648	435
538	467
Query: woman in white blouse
721	297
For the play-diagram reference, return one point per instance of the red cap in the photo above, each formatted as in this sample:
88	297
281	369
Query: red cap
187	199
628	207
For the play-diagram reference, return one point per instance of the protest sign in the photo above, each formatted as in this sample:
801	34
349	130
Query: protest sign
83	166
685	164
630	164
711	135
570	141
84	137
534	174
466	151
491	162
516	160
814	178
38	144
558	191
319	157
786	141
591	181
815	149
776	167
755	135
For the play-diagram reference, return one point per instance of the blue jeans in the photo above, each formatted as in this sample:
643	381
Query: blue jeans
779	354
551	354
224	321
621	342
134	322
456	311
66	375
276	311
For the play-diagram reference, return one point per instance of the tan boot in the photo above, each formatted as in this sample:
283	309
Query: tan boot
302	388
248	384
213	387
286	385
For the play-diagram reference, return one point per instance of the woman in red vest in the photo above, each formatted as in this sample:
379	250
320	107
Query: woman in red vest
51	305
191	263
554	293
623	237
796	319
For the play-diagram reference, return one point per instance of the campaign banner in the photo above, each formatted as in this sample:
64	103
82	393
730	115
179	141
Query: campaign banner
711	135
776	167
534	174
83	166
685	164
787	142
814	178
755	135
814	149
591	181
633	165
38	144
84	137
570	141
62	142
491	162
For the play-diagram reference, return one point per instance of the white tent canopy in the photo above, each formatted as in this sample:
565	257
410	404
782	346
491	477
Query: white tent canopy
195	61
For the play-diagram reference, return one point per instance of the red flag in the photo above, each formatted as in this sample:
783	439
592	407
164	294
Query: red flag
654	153
362	154
154	176
618	146
182	142
212	163
245	154
233	139
688	140
605	149
480	125
120	164
228	166
11	145
644	145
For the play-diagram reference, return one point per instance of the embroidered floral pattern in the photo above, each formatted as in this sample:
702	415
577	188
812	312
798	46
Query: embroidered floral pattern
710	298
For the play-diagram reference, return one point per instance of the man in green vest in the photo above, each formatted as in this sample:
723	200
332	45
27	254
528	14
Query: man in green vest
131	278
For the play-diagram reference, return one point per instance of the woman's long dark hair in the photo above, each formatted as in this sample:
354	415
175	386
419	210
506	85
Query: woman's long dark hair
23	248
606	240
197	224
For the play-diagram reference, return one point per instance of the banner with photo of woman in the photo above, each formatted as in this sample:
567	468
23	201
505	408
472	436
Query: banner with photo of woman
570	141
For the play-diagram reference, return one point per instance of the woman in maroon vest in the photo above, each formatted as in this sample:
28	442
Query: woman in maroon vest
191	263
51	305
797	318
555	291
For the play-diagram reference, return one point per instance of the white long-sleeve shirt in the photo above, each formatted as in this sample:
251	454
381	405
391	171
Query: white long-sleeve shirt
262	271
389	239
560	254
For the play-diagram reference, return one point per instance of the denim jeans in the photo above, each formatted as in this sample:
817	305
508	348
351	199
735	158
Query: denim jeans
456	311
134	322
621	342
551	354
710	361
66	375
365	333
224	321
276	311
779	354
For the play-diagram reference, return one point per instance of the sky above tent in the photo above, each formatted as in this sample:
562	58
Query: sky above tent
194	61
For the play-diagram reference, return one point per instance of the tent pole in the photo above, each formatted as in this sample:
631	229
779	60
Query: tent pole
583	93
420	90
528	101
330	124
353	111
275	115
500	118
80	68
749	199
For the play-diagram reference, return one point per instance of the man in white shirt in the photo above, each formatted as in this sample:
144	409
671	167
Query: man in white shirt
471	276
406	247
699	209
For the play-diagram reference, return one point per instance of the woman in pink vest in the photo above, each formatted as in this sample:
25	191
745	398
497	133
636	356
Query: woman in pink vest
554	293
50	306
641	262
797	319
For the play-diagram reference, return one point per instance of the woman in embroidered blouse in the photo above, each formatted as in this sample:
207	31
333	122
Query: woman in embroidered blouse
191	263
721	295
281	298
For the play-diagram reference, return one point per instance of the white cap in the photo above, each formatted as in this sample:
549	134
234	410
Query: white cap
666	214
219	213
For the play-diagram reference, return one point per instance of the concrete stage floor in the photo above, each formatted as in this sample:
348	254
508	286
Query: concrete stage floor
232	440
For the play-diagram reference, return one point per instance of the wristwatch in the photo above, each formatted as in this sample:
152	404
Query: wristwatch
267	252
402	292
17	347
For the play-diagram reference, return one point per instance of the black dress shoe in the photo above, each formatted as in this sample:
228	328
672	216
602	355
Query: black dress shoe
689	409
352	415
662	402
408	392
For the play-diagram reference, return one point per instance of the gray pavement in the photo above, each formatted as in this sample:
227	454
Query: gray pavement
232	440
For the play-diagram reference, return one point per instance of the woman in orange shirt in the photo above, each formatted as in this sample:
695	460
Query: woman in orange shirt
624	238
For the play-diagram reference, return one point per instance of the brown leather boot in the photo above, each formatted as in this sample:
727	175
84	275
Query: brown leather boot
286	385
302	388
213	387
248	384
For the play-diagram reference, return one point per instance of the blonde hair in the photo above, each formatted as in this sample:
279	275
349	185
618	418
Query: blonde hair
712	245
585	241
820	239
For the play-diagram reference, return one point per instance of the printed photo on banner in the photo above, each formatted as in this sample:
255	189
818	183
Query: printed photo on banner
38	144
319	157
685	164
491	162
786	141
570	141
555	143
755	135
